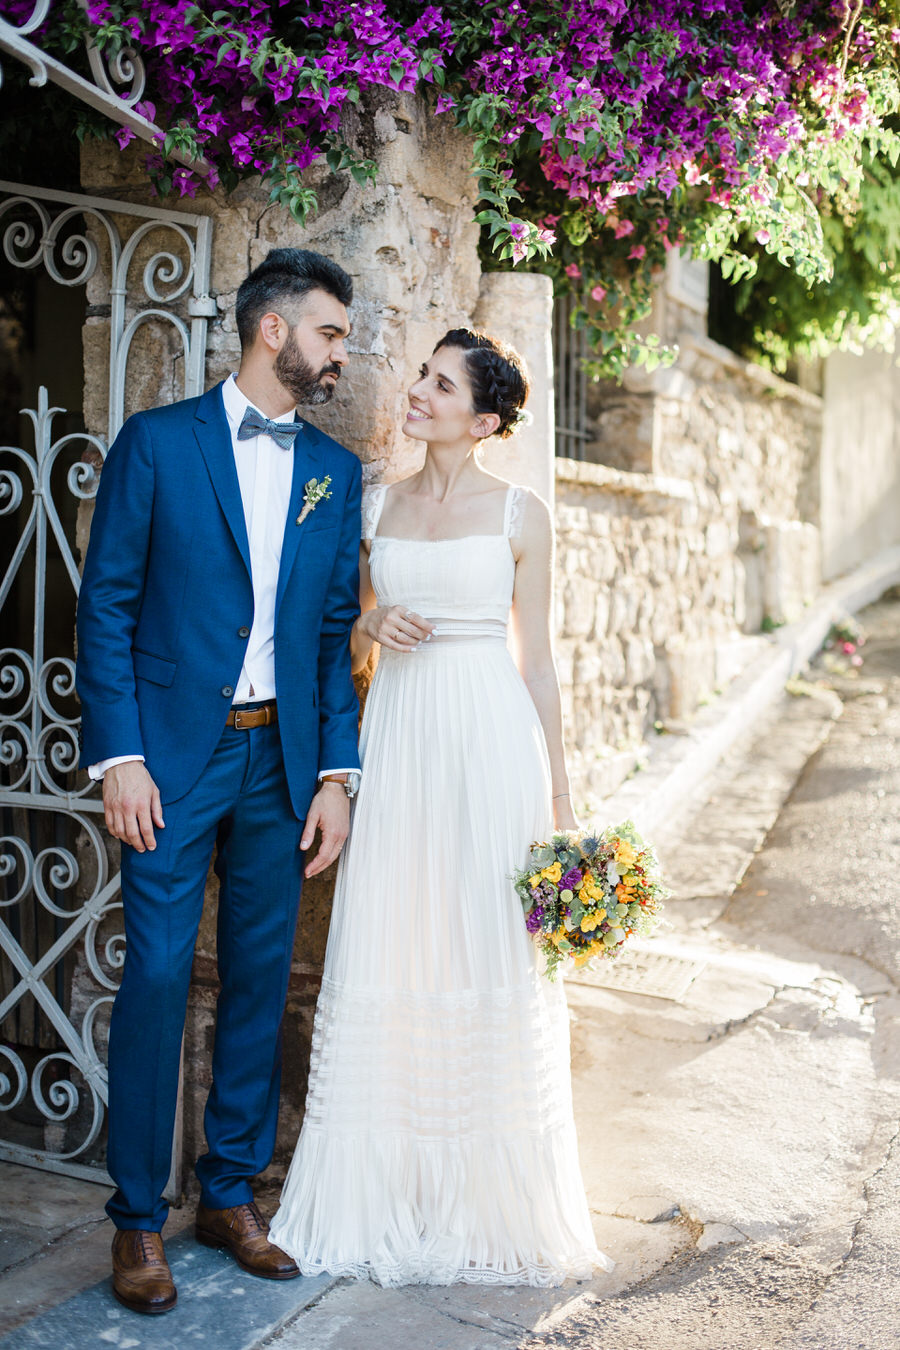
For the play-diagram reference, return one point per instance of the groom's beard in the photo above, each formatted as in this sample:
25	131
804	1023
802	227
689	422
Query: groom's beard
298	377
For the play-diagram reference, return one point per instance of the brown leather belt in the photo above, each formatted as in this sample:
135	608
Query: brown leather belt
245	719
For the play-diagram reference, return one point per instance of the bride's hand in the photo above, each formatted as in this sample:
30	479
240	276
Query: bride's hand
395	627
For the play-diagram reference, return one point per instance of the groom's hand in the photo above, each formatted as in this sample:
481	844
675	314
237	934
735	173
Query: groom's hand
131	805
329	812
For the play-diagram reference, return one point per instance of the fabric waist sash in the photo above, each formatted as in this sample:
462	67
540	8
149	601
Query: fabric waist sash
464	630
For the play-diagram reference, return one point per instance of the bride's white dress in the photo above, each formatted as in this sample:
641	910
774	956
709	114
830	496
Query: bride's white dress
438	1142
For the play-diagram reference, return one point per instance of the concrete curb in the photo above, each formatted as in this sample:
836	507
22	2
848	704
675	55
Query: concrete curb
679	765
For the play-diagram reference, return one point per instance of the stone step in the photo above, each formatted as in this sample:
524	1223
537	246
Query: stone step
218	1305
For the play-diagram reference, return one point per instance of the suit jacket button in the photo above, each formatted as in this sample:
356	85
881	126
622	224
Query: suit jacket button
227	691
243	632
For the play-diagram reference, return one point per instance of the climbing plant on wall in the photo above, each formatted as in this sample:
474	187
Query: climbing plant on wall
604	132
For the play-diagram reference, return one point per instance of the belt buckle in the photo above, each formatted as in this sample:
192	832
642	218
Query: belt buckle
238	719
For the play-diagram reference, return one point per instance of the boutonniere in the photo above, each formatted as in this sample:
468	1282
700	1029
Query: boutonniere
313	493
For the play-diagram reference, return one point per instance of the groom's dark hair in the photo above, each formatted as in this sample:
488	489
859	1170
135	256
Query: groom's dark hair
286	274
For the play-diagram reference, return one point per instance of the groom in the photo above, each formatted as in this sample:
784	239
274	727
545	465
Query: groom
219	591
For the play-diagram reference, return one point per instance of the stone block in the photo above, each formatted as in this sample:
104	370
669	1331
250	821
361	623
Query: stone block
606	562
691	675
718	539
578	607
95	341
639	559
588	669
639	661
663	617
682	555
791	569
618	609
519	307
601	611
613	661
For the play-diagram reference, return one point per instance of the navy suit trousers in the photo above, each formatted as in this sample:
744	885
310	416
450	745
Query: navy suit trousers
241	806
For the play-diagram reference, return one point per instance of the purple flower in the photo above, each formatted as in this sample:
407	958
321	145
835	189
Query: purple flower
709	94
570	880
534	919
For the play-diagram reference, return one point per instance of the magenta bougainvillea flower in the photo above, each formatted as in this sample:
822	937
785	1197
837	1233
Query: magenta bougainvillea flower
602	130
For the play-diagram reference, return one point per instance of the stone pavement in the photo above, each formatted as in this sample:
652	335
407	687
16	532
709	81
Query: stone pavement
737	1139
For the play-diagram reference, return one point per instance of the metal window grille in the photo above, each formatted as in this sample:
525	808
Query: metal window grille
570	350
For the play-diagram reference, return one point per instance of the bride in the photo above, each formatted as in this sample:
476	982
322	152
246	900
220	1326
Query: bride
438	1142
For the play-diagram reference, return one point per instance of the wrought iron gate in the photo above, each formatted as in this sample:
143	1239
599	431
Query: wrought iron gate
61	939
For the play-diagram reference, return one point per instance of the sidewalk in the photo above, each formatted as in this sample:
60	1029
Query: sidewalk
732	1125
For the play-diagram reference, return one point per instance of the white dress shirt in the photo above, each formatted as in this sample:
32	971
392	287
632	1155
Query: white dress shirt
265	474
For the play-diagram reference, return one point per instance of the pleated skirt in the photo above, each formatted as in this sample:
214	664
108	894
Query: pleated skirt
438	1142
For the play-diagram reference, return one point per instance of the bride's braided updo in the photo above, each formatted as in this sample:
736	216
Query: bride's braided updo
497	374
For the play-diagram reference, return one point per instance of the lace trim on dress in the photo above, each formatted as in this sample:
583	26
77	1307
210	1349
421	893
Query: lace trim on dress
403	1273
372	503
516	499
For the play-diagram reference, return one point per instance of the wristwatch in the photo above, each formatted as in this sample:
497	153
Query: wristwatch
349	781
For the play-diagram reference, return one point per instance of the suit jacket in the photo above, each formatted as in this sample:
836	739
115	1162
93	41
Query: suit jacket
166	602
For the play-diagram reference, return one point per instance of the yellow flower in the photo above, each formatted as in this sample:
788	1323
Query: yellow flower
592	921
535	880
582	958
554	872
625	854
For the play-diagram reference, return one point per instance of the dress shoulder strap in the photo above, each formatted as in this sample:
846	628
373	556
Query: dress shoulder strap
514	514
372	503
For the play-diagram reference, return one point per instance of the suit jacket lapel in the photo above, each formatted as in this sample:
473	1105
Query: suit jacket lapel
214	436
307	465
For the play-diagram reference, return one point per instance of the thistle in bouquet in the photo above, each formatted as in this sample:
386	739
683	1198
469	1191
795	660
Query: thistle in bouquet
585	893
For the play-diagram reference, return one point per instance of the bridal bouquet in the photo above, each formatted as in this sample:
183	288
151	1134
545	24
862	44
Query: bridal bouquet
585	894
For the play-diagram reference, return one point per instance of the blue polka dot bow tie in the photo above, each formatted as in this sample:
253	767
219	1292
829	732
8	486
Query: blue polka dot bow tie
254	424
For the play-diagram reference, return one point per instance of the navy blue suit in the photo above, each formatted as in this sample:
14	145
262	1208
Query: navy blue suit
165	610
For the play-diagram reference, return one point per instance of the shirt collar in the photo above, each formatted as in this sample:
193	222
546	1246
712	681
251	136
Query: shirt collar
236	404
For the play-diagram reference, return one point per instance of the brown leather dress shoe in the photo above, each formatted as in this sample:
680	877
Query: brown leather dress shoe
245	1233
142	1279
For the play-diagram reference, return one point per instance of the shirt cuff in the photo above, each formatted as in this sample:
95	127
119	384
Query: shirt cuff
96	771
351	773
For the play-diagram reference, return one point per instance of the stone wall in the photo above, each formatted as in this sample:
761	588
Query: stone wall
648	605
695	525
712	418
